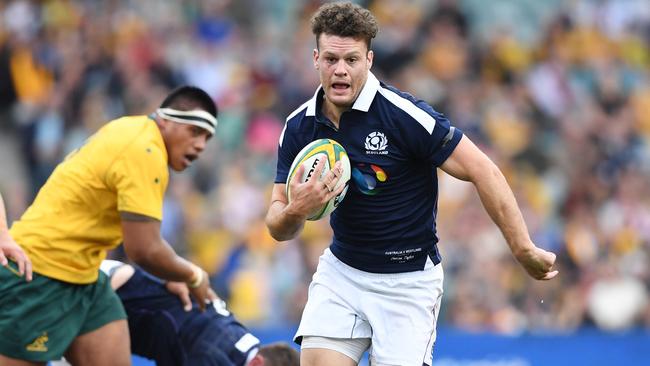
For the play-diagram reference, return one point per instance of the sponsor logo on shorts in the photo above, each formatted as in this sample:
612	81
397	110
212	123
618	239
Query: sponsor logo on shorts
38	345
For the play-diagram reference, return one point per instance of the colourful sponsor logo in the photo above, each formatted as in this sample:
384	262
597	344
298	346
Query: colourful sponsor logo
367	177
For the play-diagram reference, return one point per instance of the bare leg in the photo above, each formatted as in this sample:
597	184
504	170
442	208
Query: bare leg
107	346
6	361
324	357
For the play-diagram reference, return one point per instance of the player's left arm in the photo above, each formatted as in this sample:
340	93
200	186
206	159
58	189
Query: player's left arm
10	249
467	162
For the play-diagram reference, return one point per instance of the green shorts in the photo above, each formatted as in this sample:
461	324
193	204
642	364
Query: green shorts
40	319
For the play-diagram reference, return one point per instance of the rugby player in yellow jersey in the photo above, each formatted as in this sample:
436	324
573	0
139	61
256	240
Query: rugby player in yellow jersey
108	192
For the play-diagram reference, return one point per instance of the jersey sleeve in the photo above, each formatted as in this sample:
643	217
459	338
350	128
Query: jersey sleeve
434	139
288	148
139	176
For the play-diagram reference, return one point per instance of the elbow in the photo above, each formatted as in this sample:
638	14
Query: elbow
279	237
495	173
276	234
272	227
139	254
487	172
282	227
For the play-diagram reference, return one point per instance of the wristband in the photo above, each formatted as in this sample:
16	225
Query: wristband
197	277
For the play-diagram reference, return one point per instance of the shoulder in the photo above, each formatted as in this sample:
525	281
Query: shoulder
141	135
297	118
136	141
299	112
295	121
128	125
125	131
412	112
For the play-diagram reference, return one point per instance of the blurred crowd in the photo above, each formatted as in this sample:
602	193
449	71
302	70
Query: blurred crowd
556	92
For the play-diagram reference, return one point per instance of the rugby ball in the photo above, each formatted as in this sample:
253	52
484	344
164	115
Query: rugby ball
309	156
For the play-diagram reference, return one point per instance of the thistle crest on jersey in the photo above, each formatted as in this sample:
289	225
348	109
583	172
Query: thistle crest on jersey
376	143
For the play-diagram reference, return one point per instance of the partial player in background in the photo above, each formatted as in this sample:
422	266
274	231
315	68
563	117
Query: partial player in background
107	192
9	250
379	285
167	327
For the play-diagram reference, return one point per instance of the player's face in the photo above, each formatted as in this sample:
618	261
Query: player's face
343	64
184	143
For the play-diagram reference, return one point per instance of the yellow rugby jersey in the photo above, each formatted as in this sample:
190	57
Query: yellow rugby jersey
74	219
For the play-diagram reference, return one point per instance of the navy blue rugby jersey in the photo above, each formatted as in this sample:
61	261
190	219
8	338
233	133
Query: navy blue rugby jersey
161	330
386	223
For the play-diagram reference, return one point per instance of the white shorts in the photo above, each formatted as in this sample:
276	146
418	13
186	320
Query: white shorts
396	311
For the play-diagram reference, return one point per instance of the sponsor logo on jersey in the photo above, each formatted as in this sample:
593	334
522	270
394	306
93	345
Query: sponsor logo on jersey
368	177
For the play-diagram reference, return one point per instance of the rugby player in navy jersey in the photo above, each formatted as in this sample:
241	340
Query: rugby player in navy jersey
378	286
167	327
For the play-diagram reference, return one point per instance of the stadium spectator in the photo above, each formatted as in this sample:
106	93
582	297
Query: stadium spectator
107	192
384	257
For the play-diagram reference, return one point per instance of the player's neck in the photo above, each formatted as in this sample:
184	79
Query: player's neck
333	112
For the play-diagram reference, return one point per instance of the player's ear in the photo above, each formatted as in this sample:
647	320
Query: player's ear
370	56
258	360
162	123
316	58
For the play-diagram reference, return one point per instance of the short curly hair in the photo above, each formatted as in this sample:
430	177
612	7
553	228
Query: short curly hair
344	19
280	354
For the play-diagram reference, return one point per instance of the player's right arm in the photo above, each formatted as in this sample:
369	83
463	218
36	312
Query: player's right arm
283	222
145	246
286	219
10	249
